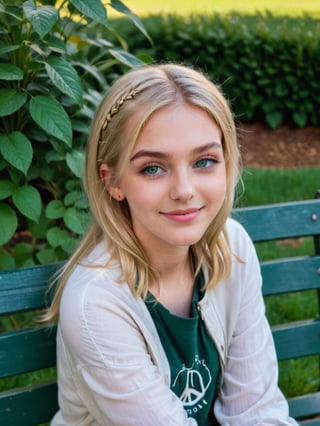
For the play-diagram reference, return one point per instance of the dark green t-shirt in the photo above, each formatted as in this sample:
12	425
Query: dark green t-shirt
193	358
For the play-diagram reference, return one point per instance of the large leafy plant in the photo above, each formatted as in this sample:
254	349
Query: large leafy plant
52	76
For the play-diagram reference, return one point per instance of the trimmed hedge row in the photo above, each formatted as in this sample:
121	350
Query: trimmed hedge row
269	67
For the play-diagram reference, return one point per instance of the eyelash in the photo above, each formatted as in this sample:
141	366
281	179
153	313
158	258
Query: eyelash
152	165
207	159
145	169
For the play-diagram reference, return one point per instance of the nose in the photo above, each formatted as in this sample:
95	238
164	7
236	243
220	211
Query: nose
182	186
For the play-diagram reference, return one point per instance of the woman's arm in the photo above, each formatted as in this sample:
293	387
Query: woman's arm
109	364
249	393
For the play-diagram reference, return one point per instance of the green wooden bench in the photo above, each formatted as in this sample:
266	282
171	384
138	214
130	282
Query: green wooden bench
289	221
26	350
33	348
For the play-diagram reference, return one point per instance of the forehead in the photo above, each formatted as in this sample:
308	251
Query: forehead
180	125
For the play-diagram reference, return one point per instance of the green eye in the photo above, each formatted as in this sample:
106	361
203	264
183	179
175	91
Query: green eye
151	170
204	162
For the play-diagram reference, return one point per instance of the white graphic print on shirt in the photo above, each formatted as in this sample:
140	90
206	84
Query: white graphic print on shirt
194	382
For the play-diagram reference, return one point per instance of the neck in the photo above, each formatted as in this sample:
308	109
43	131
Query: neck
169	259
174	289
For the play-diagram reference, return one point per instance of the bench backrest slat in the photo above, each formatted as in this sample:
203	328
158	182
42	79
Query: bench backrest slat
27	350
313	422
290	275
23	289
280	221
30	406
297	340
305	405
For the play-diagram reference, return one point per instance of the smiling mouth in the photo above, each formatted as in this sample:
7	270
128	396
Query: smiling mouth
182	215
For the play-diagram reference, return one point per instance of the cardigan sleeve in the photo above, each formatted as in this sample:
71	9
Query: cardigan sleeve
106	372
249	394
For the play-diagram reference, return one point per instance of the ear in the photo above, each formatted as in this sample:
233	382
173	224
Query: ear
105	173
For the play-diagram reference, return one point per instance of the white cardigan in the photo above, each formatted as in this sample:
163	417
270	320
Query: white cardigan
112	369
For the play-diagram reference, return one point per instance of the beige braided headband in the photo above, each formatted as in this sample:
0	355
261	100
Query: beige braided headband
114	109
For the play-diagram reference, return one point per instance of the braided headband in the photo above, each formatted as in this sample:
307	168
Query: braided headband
114	109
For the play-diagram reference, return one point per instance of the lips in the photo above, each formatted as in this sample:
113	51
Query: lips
182	216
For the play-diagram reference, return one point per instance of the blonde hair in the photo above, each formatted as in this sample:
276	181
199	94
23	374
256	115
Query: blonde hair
133	99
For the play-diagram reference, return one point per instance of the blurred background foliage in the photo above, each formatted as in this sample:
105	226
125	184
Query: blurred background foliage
57	58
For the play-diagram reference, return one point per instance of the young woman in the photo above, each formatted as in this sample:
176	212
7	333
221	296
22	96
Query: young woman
161	317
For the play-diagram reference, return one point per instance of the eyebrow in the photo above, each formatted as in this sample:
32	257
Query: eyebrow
162	155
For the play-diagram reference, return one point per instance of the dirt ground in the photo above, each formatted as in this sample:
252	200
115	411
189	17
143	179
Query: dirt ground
283	147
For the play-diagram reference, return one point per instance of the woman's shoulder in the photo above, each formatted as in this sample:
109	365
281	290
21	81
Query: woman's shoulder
245	261
237	233
94	294
94	279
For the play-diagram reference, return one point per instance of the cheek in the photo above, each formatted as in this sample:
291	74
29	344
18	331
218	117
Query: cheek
141	198
217	188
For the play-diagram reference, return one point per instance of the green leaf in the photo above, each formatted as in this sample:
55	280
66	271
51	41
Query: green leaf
47	255
4	48
22	248
6	261
51	117
75	220
70	245
8	223
72	184
126	58
71	198
3	163
15	176
17	150
146	59
10	72
11	10
281	90
42	18
6	188
38	49
28	201
75	161
22	253
57	237
300	118
11	101
56	44
274	119
82	202
122	8
93	9
64	76
92	70
54	156
39	230
55	209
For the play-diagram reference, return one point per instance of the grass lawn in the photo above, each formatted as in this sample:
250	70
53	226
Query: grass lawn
267	186
187	7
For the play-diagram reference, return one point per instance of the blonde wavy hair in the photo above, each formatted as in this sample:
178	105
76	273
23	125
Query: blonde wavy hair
133	98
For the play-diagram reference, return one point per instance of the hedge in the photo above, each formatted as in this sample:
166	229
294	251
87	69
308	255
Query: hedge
268	67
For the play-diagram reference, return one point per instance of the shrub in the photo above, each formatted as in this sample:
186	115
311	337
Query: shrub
267	66
52	75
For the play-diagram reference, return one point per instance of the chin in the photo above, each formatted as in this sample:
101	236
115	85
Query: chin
187	241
